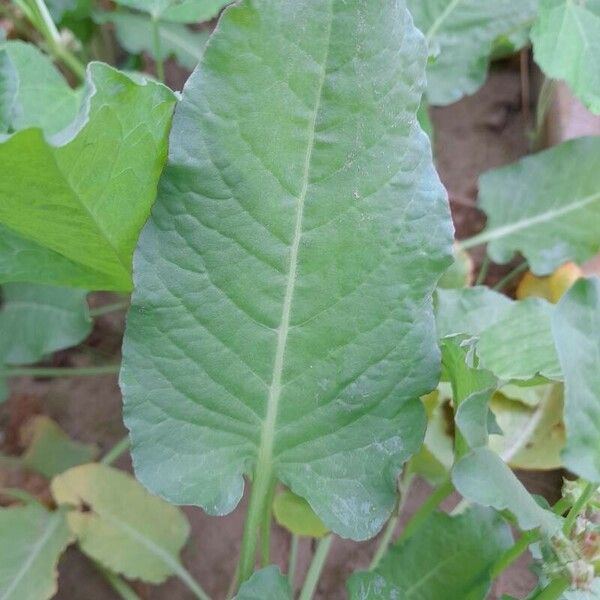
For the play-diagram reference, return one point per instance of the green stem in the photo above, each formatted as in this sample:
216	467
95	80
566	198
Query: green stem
190	582
425	510
265	528
508	278
156	49
316	567
513	553
544	102
118	584
116	451
108	308
388	534
483	271
578	507
59	371
293	560
259	497
45	25
553	591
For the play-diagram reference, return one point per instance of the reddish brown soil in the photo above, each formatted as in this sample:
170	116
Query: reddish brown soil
476	134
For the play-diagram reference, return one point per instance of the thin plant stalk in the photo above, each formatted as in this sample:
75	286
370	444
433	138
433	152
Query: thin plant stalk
543	105
59	371
190	582
156	49
392	525
116	451
265	531
425	510
483	271
108	308
293	560
316	567
118	584
510	276
45	25
579	507
513	553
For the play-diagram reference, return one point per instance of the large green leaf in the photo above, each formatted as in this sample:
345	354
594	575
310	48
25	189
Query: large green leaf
576	328
449	558
566	43
85	194
119	524
519	346
281	324
482	477
266	584
36	320
32	541
534	209
178	11
468	311
134	32
461	36
32	91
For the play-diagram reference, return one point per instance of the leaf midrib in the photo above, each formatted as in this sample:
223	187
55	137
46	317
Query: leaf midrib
274	394
437	24
51	527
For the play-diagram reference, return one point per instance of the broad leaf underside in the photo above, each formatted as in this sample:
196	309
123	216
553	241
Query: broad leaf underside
282	317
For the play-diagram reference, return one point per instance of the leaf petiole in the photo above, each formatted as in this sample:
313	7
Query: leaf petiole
316	567
116	451
579	507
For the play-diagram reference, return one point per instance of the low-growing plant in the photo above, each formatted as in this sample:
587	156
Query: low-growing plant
298	326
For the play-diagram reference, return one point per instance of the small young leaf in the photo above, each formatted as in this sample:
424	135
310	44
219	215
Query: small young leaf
85	194
576	329
483	477
32	91
134	32
50	450
32	541
36	320
296	515
534	209
472	389
519	345
566	44
300	190
449	557
119	524
266	584
461	36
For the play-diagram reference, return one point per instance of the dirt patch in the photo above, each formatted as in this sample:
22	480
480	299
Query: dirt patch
479	133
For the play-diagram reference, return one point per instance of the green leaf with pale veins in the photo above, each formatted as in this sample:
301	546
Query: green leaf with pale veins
85	194
119	524
566	44
296	515
483	477
534	209
461	36
36	320
134	33
519	346
33	93
31	542
576	329
266	584
281	323
450	557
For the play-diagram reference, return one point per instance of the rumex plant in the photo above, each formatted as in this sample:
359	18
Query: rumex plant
297	330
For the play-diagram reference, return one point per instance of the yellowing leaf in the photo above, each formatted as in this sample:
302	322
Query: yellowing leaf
295	514
119	524
551	287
